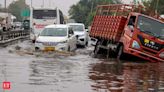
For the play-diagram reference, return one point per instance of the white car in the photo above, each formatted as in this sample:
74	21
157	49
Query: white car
80	32
56	37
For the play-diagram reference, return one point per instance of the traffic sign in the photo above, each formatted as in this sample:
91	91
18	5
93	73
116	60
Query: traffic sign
25	13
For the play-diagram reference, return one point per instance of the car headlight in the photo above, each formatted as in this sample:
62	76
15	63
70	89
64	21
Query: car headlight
161	55
135	45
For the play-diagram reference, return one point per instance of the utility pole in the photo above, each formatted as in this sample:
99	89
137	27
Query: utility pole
58	16
31	15
43	4
5	4
156	10
91	8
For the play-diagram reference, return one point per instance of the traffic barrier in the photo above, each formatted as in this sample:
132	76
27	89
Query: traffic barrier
8	37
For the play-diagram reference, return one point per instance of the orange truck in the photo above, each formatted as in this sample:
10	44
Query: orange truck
125	29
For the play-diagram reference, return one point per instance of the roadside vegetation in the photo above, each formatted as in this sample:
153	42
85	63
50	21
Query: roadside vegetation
84	10
153	7
16	8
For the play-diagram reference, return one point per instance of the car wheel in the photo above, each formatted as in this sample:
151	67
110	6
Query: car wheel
36	49
86	44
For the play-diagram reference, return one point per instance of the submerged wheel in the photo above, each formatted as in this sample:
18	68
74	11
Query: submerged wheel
86	44
96	49
120	54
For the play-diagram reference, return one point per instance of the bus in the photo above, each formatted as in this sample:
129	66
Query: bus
43	17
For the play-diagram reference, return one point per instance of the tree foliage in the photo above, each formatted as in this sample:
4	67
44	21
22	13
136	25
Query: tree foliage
153	5
84	10
16	7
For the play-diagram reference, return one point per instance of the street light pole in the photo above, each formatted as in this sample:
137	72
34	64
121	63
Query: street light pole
5	4
156	11
43	4
31	15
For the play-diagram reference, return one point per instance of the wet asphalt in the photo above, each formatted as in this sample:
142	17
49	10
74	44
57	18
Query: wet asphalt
30	71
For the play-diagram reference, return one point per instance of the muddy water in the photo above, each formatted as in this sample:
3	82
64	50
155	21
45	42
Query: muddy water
47	72
128	77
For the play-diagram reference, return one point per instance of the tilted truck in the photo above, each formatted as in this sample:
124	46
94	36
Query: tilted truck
123	29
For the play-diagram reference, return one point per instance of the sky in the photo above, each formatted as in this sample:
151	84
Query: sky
63	5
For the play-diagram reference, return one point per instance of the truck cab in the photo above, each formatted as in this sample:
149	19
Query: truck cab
144	37
125	29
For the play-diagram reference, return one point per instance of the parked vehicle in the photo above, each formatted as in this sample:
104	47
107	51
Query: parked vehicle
17	25
80	32
56	37
124	30
6	21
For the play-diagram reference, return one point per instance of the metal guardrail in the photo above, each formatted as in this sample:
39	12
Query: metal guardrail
11	36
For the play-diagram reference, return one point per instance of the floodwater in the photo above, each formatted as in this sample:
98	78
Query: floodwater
29	71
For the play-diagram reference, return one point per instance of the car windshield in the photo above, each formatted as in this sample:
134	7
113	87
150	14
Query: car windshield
54	32
77	27
151	27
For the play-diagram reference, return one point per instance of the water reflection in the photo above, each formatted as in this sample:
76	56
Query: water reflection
127	77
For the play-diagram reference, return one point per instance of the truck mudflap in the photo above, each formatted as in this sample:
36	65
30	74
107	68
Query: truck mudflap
144	55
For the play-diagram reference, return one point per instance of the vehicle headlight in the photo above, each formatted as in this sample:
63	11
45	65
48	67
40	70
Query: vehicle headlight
135	45
161	55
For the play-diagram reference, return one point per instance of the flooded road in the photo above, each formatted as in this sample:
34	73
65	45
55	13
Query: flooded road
47	72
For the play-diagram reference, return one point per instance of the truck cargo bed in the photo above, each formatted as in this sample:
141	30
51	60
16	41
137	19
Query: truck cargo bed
108	27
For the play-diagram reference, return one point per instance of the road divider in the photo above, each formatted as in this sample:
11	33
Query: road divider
10	37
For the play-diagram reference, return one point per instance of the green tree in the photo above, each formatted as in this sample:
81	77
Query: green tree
16	7
153	6
84	10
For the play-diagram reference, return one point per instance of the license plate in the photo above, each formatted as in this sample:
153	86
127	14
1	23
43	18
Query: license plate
49	48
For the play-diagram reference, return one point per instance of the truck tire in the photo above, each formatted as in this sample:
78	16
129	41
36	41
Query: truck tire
96	49
120	53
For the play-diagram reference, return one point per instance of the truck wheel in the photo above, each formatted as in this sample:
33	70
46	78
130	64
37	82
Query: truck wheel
120	54
96	50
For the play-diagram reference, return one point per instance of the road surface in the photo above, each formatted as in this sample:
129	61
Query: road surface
30	71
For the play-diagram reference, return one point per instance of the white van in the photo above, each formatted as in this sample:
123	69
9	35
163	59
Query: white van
80	32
